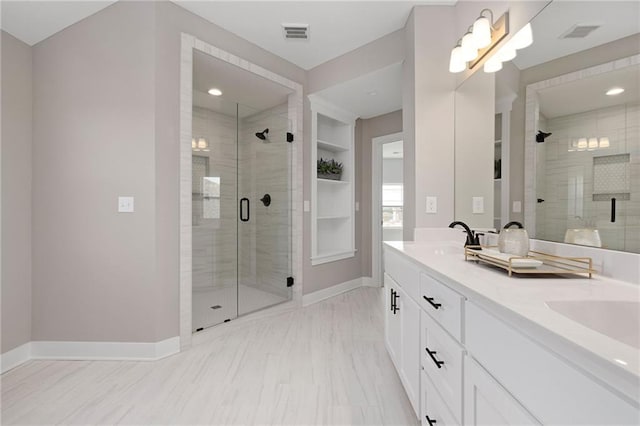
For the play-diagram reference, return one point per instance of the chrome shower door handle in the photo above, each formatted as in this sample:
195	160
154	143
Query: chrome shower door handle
243	202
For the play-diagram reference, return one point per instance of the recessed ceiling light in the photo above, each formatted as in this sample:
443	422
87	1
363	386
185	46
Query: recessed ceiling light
215	92
615	91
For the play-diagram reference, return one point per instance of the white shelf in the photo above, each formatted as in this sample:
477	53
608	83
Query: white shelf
325	257
332	181
330	146
333	217
332	201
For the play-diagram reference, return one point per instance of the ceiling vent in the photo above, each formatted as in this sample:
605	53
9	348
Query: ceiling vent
580	31
296	31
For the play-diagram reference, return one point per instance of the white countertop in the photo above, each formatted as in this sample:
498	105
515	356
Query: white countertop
523	301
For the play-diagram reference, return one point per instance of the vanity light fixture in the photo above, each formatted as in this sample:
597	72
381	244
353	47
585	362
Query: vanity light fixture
615	91
582	143
478	41
593	143
604	142
200	144
507	52
215	91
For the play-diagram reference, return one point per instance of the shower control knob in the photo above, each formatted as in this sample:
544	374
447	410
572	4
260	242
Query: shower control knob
266	200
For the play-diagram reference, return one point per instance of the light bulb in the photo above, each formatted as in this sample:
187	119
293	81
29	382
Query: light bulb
215	91
193	143
506	52
482	32
523	38
493	64
582	143
593	143
202	143
604	142
456	63
469	49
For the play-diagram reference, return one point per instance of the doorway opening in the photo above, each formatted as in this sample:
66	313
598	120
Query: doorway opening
387	197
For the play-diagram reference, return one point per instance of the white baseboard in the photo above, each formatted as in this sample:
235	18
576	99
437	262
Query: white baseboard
15	357
109	351
317	296
368	282
130	351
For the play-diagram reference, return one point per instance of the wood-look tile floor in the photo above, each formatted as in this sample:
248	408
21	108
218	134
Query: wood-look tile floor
325	364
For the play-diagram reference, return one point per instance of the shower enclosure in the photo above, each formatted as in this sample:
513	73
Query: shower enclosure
241	199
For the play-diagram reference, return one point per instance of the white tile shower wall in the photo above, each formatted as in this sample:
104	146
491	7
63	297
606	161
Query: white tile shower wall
567	182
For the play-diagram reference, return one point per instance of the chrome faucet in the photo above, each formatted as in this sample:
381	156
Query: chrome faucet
472	237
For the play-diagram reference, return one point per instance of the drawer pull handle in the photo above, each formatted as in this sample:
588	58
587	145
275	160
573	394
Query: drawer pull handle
431	302
432	354
395	308
431	422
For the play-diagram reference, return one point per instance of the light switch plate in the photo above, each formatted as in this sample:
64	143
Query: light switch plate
432	204
125	205
306	206
357	206
517	207
478	205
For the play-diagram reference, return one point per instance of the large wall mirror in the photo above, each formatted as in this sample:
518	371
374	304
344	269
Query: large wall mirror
558	85
582	130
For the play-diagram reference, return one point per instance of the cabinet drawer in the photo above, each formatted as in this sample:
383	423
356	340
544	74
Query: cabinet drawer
442	359
443	304
434	408
405	273
550	387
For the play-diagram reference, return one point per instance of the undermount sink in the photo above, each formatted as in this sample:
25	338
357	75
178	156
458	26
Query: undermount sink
619	320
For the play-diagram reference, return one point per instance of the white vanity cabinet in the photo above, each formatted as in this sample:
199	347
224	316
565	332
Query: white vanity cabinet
463	361
402	337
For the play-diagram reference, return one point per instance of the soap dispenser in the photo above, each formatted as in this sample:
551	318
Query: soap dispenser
514	240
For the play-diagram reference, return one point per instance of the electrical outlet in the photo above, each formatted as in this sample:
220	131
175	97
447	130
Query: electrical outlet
125	205
432	204
478	205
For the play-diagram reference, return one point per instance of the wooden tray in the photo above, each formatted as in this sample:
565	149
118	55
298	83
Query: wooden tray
551	264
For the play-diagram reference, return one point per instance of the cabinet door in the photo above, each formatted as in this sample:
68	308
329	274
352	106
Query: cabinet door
392	336
488	403
410	353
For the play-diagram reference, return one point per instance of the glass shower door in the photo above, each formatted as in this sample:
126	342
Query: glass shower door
264	205
214	215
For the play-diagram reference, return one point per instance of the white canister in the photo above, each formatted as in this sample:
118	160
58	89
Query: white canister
514	241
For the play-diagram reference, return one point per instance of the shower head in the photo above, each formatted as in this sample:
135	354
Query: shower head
262	135
541	136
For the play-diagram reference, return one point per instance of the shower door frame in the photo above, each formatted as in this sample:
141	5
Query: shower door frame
189	44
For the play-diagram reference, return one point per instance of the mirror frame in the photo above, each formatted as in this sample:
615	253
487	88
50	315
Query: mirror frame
532	113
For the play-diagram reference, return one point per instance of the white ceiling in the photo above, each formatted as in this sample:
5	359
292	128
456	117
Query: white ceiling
369	95
335	27
252	92
392	150
618	19
589	94
34	21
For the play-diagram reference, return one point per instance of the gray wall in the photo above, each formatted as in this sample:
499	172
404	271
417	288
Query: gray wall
94	270
474	149
429	130
392	170
598	55
104	128
16	192
366	130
